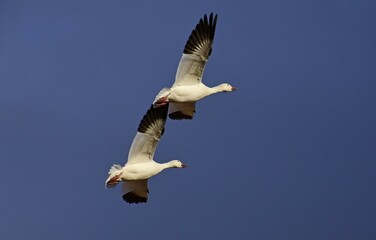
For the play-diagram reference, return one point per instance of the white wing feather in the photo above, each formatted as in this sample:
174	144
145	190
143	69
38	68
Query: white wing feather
190	70
142	148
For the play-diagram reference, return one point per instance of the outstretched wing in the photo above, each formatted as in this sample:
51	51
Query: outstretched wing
135	191
196	52
149	132
184	110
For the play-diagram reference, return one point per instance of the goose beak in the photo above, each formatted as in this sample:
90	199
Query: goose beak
234	88
184	166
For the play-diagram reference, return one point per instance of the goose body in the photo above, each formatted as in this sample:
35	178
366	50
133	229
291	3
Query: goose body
145	170
140	165
188	87
193	93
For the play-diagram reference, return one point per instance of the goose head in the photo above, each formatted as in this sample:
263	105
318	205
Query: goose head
177	164
225	87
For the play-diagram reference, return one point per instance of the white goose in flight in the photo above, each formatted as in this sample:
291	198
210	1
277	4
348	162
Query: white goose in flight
188	87
140	165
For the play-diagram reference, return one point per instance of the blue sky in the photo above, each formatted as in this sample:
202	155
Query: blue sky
290	155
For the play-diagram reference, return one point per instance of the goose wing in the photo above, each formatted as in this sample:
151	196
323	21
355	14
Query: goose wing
196	52
135	191
149	132
183	110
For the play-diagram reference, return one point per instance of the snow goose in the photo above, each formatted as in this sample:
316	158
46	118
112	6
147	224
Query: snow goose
140	165
188	87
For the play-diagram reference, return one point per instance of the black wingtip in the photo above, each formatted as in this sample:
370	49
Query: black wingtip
153	114
203	32
133	198
180	116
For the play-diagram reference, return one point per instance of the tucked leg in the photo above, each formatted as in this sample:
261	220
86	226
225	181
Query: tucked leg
161	101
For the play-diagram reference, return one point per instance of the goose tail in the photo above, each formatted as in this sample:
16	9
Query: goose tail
161	98
113	176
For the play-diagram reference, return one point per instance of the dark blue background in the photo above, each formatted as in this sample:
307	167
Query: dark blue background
290	155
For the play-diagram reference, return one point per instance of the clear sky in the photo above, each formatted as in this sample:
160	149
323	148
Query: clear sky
290	155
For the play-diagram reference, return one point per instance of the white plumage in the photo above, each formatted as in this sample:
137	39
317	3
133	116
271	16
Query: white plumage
188	87
140	165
